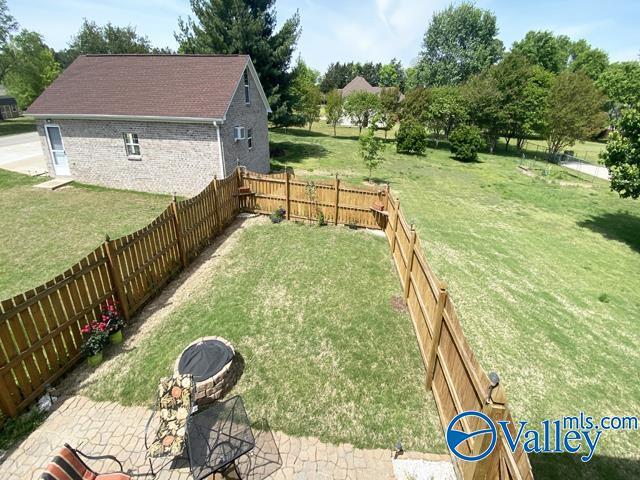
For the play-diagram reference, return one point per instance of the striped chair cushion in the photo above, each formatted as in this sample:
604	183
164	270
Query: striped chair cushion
68	466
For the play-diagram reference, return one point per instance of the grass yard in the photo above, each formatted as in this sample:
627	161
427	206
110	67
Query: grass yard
543	264
12	126
45	232
326	354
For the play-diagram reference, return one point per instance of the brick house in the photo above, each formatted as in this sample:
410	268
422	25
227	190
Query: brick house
156	123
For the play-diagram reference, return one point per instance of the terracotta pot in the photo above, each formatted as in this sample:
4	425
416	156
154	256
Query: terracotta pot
95	360
116	337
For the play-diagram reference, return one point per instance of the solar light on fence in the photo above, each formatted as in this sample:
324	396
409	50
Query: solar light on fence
494	381
399	449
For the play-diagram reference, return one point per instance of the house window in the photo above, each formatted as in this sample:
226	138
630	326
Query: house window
131	144
247	100
250	138
238	133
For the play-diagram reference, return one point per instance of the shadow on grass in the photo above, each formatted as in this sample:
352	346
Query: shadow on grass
620	226
295	152
299	132
565	465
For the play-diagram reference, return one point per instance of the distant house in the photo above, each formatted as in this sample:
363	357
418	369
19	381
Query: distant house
157	123
359	84
8	107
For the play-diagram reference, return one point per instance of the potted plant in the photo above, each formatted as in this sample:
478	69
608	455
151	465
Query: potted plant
278	215
97	338
110	314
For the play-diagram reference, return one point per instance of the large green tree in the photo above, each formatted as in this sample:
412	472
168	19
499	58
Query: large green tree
32	67
484	103
93	38
584	58
523	90
360	107
8	25
304	86
415	106
389	111
575	111
622	155
247	27
545	49
621	83
460	41
392	75
447	109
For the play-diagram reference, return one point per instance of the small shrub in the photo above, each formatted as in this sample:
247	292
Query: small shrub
411	138
465	143
278	215
604	298
320	218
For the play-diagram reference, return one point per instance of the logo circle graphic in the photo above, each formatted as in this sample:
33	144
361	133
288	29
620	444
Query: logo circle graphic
456	437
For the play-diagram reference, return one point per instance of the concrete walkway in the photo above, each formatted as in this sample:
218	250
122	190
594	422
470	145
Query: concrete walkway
103	428
593	170
22	153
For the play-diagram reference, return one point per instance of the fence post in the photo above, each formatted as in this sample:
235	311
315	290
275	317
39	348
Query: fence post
395	228
336	206
287	188
407	277
6	402
238	185
116	276
176	224
438	319
495	409
386	197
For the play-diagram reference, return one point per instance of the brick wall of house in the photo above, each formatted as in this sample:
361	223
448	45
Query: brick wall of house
175	157
252	116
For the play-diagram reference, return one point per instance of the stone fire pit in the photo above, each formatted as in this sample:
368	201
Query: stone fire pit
210	361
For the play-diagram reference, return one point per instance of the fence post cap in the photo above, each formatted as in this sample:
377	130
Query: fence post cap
174	196
107	238
444	286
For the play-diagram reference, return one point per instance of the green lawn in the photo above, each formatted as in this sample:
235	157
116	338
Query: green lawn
310	310
45	232
543	264
17	125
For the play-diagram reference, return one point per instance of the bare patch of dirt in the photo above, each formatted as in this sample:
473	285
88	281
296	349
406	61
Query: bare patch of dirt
176	293
398	304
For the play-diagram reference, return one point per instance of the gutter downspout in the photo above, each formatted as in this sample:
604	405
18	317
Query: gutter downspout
220	151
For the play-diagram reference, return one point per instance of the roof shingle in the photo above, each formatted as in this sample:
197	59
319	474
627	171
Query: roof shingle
188	86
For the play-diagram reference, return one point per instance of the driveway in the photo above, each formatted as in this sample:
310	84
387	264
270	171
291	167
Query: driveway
589	169
22	153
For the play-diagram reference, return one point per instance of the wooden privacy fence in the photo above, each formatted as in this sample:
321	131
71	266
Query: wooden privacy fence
453	373
40	334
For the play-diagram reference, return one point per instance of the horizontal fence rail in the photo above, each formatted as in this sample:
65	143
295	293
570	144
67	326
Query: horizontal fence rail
40	330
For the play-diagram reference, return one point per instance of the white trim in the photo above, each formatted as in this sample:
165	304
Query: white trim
145	118
220	150
254	74
53	161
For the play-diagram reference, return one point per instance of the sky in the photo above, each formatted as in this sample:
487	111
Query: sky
353	30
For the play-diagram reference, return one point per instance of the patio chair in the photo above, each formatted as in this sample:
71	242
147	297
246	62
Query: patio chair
173	407
68	465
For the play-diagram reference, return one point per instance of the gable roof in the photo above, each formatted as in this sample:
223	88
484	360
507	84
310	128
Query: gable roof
155	87
359	84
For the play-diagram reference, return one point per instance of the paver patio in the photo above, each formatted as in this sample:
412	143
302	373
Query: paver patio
107	428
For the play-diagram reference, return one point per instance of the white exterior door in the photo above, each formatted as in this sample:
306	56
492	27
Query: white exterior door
58	155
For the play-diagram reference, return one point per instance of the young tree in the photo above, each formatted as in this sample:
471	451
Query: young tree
247	27
465	143
484	101
447	109
334	109
460	41
360	107
574	111
622	155
307	93
389	109
370	150
32	67
93	38
523	89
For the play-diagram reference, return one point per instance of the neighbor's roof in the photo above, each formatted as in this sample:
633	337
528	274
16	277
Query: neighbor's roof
176	86
359	84
7	100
